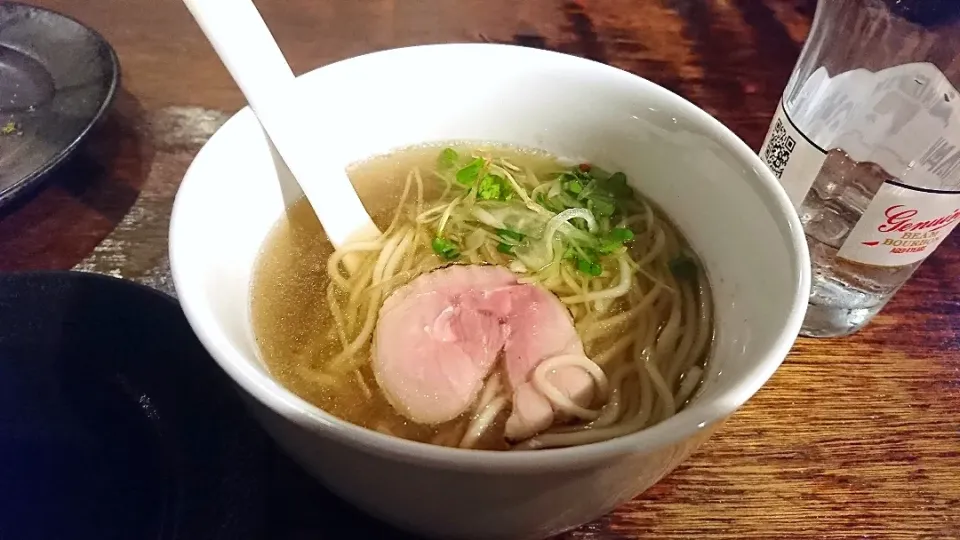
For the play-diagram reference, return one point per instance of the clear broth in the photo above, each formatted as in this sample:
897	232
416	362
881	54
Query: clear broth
293	325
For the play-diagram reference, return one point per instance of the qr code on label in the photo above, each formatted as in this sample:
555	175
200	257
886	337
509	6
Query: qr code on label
779	148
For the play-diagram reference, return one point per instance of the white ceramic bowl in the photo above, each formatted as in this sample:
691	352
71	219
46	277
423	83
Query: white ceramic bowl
716	189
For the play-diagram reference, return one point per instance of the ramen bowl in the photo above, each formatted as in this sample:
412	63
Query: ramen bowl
715	189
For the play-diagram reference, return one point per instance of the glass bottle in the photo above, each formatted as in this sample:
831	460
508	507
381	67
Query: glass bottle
866	142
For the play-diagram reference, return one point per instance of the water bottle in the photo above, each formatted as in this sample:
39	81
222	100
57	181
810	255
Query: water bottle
866	143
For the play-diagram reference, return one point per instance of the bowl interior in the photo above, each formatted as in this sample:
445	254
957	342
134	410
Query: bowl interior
707	180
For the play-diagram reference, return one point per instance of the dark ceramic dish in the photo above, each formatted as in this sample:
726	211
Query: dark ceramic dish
114	422
57	78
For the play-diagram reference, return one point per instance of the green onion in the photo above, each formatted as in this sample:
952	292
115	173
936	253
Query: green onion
542	201
445	248
505	248
604	224
507	234
684	267
469	174
567	201
447	159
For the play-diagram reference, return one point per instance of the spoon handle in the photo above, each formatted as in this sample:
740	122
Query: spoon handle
246	47
251	55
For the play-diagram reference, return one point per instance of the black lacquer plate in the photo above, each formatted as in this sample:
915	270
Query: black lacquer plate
114	422
57	78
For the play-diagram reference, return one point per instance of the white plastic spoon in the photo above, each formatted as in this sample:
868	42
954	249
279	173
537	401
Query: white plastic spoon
251	55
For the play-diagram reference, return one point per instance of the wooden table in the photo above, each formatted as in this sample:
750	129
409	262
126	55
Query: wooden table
853	438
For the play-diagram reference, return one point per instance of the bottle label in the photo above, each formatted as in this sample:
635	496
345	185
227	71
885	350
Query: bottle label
902	225
792	158
904	119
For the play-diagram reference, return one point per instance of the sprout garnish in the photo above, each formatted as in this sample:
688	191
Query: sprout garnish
577	217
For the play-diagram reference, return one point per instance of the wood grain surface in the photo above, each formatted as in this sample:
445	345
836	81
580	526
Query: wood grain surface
852	438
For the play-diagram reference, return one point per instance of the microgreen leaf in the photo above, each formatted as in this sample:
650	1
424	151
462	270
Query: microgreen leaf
469	174
608	246
490	187
588	189
617	180
589	268
447	158
586	254
621	234
602	206
617	185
